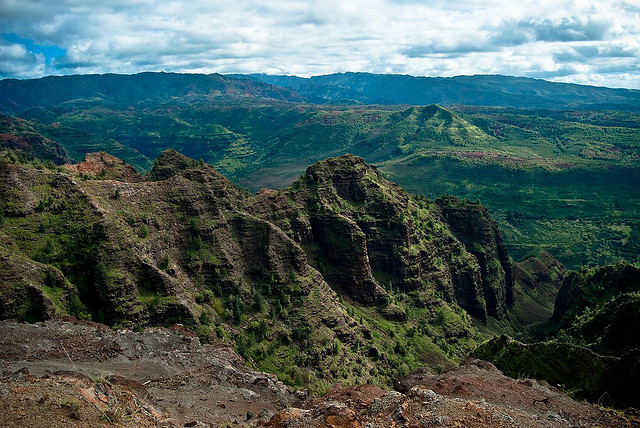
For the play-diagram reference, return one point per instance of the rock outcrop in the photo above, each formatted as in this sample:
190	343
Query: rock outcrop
106	167
476	394
78	373
363	226
70	373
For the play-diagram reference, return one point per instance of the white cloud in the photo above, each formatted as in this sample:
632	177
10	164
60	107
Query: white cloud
597	41
17	61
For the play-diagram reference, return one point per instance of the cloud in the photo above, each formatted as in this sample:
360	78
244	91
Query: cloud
529	38
17	61
567	29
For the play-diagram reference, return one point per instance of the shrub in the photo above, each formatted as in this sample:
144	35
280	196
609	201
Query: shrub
143	232
166	261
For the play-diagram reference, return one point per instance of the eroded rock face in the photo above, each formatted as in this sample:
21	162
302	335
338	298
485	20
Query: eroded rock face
344	247
472	224
342	217
355	224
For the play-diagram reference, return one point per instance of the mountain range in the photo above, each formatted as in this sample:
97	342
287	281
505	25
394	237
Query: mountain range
121	203
480	90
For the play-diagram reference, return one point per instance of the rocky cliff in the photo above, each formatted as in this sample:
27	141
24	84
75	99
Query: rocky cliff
359	225
474	227
343	275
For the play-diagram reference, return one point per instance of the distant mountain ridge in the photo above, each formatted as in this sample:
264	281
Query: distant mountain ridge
482	90
16	96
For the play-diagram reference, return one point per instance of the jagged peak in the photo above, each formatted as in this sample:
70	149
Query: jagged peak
170	163
345	165
350	178
347	159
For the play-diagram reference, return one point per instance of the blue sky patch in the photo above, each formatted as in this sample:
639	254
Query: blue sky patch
48	51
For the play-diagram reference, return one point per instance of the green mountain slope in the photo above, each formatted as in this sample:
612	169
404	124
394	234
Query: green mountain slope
565	181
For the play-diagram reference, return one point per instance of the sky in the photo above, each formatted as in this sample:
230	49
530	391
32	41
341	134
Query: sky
576	41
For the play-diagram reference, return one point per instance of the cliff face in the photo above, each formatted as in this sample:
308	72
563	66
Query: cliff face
343	275
356	224
472	225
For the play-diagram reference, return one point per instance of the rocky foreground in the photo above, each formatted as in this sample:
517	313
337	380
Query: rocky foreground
69	373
